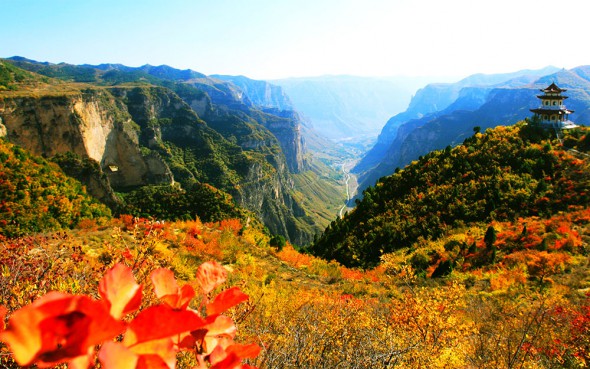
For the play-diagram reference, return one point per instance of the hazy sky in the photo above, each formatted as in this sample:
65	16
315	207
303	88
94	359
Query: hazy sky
267	39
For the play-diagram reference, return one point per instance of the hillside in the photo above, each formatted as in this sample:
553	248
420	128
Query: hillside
36	196
506	173
528	308
495	271
187	130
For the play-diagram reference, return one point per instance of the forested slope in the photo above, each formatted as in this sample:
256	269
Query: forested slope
503	174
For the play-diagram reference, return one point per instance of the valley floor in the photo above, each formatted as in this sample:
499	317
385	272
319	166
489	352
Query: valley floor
350	184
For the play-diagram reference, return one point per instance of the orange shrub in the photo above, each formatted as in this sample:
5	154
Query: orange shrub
128	221
291	256
209	250
232	225
88	225
506	278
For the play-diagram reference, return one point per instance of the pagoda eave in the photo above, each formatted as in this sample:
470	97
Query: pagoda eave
549	97
549	111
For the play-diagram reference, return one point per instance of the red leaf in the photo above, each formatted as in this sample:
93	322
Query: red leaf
220	325
168	291
114	355
155	353
244	351
164	282
119	288
185	296
219	331
210	275
225	300
152	362
229	362
80	362
57	328
3	312
158	354
159	322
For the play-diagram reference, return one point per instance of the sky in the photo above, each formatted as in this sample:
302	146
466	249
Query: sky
270	39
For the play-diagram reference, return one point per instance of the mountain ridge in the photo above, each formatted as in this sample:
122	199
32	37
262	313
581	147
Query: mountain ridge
150	112
387	153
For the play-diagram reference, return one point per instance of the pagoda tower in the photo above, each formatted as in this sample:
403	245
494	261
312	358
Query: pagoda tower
552	111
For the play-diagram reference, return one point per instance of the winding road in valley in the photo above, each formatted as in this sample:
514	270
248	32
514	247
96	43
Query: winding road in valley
350	184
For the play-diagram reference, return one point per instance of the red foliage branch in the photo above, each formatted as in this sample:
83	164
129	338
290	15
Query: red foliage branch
64	328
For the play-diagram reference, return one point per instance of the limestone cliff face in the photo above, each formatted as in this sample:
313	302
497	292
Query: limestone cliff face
271	198
149	135
261	93
285	125
90	124
265	103
263	185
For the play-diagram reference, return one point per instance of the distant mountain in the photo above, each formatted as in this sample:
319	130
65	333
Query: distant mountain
261	93
444	114
348	106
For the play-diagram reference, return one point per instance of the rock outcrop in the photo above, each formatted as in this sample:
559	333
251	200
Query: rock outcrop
262	102
262	94
90	124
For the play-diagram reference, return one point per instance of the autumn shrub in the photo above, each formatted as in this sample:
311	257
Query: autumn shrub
329	270
201	249
539	264
232	225
289	255
36	196
87	225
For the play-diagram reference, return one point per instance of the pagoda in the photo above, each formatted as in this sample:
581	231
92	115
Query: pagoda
552	111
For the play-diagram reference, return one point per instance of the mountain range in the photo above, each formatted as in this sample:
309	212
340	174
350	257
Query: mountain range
176	131
341	107
445	114
255	144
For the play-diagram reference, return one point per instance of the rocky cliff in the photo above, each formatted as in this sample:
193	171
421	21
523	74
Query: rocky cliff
149	135
211	98
262	94
254	103
256	173
90	123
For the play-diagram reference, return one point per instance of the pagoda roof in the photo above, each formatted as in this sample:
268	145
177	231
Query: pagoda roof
553	88
551	97
551	111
